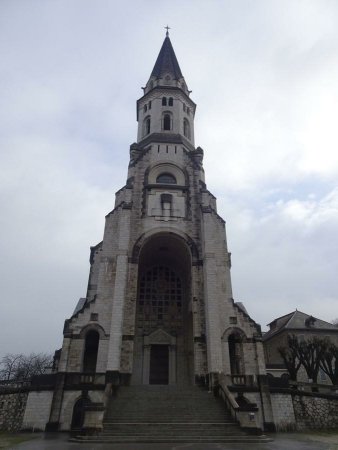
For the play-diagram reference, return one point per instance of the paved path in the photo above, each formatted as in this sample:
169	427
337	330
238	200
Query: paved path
283	441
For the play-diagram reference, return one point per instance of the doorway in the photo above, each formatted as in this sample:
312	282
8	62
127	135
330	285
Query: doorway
163	333
159	364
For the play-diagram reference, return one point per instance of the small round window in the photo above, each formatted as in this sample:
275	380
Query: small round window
166	178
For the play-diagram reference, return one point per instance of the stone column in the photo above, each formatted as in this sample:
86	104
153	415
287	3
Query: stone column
54	418
115	340
212	314
172	364
146	364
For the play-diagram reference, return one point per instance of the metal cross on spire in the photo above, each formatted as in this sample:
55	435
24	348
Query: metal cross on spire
167	28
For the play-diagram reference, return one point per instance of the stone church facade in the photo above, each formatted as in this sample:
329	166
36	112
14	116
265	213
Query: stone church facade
159	307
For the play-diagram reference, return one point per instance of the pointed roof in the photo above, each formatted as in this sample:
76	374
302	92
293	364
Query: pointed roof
297	320
166	61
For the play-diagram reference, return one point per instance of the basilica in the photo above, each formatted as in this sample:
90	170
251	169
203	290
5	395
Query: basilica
159	338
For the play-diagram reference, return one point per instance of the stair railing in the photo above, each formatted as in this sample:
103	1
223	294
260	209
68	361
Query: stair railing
246	415
228	399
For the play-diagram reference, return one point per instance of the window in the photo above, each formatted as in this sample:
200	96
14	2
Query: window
171	101
186	128
90	352
166	178
233	320
145	108
184	107
146	126
166	122
164	101
160	299
188	111
149	104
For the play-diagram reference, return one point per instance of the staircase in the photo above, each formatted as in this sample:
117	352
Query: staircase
168	414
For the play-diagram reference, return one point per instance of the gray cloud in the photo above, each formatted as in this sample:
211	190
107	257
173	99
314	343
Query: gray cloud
264	76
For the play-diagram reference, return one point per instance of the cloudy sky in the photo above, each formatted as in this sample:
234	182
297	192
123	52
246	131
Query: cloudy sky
264	75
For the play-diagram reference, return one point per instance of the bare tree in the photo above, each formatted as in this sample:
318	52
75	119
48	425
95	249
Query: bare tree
9	366
310	353
23	367
291	356
329	362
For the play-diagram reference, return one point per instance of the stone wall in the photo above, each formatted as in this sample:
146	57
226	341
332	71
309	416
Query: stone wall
37	410
283	412
315	412
298	411
12	408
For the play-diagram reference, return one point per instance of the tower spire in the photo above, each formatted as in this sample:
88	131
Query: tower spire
166	61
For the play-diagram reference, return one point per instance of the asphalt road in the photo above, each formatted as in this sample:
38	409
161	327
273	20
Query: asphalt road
282	441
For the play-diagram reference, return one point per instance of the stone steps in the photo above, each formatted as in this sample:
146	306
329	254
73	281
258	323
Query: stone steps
186	439
165	429
168	414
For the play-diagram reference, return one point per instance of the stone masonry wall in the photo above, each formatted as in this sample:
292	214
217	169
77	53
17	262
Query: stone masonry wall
315	412
283	412
303	412
12	408
37	410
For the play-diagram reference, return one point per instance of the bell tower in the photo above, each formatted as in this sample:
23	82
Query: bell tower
166	112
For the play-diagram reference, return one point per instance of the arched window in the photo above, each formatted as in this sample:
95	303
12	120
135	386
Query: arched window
171	101
160	298
186	128
90	353
146	126
145	108
166	178
164	101
166	122
236	354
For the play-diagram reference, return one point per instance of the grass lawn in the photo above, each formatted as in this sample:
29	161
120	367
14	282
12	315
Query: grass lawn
9	439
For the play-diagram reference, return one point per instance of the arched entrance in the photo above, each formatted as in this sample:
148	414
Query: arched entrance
79	413
163	351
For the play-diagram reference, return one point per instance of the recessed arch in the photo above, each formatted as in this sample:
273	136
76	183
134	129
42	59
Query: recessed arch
78	414
186	128
235	344
167	121
178	234
93	326
233	339
168	168
234	330
163	308
146	126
